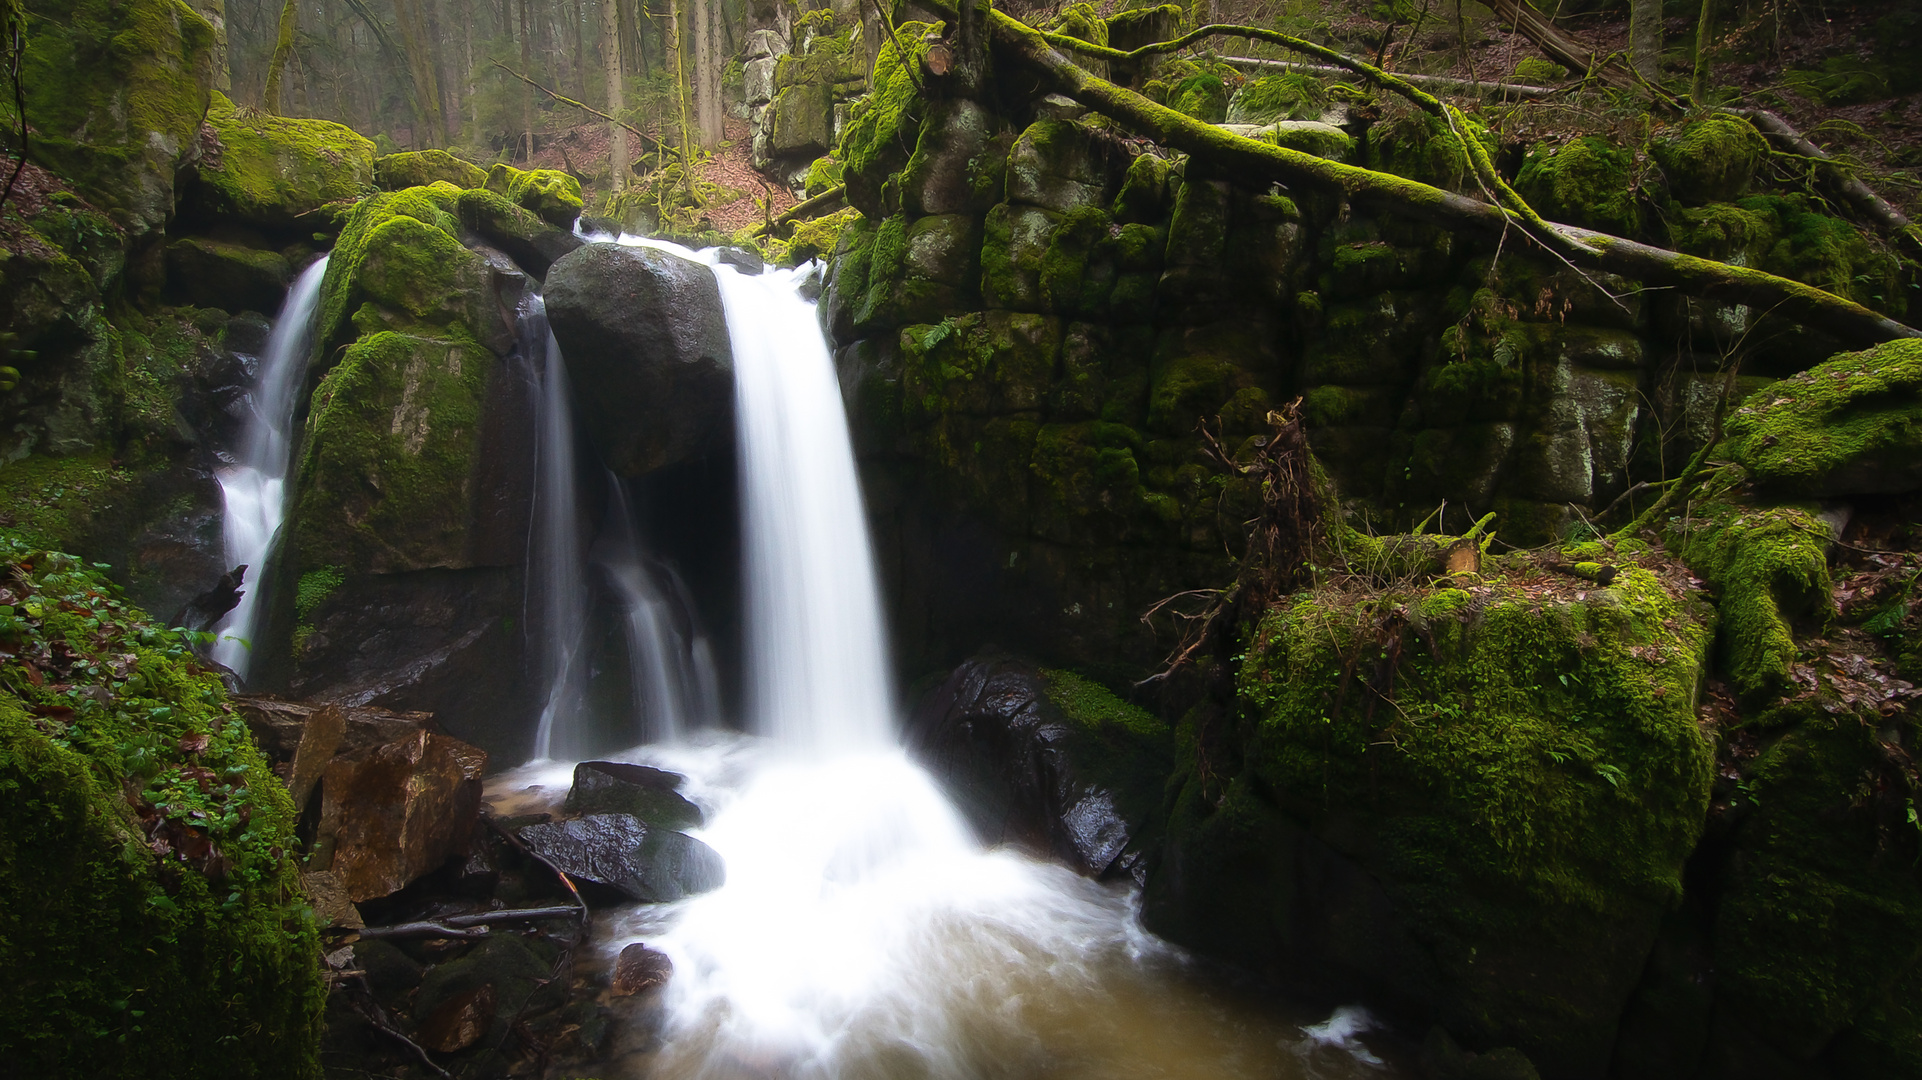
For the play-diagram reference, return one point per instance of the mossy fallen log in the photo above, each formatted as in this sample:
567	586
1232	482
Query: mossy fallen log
1850	322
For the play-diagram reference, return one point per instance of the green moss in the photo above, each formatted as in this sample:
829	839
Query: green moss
1422	147
1064	280
271	169
1522	773
1093	706
418	168
150	909
390	450
1203	96
831	60
824	175
551	194
1724	232
1534	69
1143	197
399	248
1081	21
115	90
1852	425
1278	97
1822	909
1822	250
817	237
1710	159
1769	569
882	129
1585	181
52	501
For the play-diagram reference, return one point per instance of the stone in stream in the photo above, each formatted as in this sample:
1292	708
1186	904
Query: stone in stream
620	851
618	787
640	969
647	351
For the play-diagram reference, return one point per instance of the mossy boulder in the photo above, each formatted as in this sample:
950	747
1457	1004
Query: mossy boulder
269	171
1516	768
1423	147
1059	165
1769	568
958	162
1584	181
418	168
1710	159
816	238
801	121
1850	426
151	917
532	243
882	129
115	92
1203	96
1278	97
390	454
399	262
824	175
551	194
1820	917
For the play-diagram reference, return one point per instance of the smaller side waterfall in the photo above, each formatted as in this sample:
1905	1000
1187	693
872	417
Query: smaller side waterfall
556	555
253	488
676	689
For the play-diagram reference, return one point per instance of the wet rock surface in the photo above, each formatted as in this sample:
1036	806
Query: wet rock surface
399	812
1027	772
618	787
619	851
644	329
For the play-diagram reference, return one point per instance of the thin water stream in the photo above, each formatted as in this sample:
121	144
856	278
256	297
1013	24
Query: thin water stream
253	488
863	930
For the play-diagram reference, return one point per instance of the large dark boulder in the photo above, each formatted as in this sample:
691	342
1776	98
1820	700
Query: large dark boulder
619	851
1046	760
647	349
619	787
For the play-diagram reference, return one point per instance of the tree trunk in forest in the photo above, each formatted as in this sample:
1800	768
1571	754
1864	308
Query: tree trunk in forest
675	61
1560	48
618	158
1856	326
580	52
1645	38
707	74
283	49
1698	84
419	50
527	100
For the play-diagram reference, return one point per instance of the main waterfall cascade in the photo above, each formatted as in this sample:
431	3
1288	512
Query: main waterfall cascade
670	662
863	931
253	488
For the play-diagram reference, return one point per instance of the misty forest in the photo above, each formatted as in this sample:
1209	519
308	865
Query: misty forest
961	539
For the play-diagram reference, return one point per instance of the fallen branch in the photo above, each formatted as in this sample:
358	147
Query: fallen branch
371	1011
1859	195
587	916
468	926
420	930
826	202
645	138
1856	326
1558	46
1438	82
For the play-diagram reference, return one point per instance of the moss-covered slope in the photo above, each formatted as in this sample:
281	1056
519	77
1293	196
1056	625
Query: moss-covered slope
151	919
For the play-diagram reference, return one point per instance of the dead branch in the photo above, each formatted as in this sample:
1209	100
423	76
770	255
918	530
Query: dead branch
826	202
645	138
1480	88
1859	195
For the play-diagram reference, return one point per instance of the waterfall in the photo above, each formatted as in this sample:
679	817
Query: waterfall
670	661
253	488
557	547
863	931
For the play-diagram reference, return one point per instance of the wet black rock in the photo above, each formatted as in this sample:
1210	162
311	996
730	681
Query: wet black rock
1026	773
647	350
618	787
622	852
747	262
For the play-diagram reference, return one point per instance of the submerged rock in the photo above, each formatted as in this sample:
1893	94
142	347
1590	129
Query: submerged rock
640	969
617	787
647	350
621	852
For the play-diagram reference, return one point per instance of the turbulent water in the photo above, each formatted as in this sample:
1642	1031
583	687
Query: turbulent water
863	931
253	488
670	662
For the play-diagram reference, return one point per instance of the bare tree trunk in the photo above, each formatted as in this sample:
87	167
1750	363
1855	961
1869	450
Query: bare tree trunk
611	57
580	52
283	49
1645	38
707	73
1698	85
676	63
527	101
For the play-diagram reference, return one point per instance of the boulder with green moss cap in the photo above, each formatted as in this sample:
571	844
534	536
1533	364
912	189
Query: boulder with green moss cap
552	195
269	171
1851	426
415	168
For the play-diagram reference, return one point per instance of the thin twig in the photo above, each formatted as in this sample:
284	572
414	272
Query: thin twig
565	100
